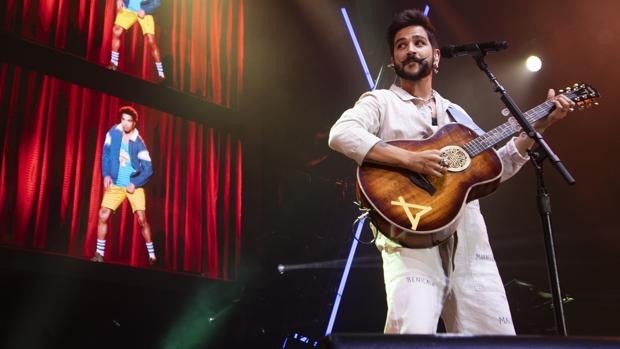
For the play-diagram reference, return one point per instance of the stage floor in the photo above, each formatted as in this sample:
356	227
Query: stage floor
51	301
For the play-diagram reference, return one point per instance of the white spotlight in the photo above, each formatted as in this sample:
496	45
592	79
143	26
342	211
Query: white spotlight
533	63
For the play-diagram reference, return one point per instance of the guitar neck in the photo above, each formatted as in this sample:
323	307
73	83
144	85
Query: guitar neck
507	129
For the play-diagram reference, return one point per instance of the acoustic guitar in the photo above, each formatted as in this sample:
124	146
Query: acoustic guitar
418	211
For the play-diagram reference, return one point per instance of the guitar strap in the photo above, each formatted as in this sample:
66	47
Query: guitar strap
463	118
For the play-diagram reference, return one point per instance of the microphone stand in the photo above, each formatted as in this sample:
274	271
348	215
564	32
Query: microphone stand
544	208
544	204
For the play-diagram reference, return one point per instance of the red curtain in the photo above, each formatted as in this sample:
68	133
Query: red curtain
52	133
201	42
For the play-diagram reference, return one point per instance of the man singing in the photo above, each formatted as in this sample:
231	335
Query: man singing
457	280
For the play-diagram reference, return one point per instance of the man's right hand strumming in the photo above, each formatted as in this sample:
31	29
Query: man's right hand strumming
425	162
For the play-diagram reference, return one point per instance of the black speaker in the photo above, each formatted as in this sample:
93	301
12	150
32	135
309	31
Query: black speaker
381	341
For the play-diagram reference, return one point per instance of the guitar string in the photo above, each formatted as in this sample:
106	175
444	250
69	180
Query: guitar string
494	136
489	139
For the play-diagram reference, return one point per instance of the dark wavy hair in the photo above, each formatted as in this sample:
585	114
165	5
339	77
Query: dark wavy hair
407	18
130	111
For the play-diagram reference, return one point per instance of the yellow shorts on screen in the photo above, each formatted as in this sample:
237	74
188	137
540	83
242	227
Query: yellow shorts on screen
114	196
126	18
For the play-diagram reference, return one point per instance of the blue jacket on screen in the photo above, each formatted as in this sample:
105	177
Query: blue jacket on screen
140	158
149	6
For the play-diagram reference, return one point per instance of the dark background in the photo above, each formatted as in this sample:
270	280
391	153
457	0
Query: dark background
302	73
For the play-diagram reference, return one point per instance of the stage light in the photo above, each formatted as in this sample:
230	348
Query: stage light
358	49
533	63
345	274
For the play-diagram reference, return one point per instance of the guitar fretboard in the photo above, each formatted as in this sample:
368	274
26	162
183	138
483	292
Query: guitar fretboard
507	129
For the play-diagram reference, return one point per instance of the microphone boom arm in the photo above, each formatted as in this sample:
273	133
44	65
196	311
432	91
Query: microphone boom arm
474	49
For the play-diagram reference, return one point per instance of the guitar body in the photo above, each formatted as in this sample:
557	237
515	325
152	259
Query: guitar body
413	216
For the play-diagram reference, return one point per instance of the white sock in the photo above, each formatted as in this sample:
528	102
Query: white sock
160	69
101	247
114	58
151	249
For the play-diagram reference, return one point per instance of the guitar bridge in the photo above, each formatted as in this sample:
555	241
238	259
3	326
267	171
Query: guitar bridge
423	183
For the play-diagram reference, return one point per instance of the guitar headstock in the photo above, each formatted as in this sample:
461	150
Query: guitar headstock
582	94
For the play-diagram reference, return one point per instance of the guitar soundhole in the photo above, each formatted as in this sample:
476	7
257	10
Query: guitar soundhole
455	158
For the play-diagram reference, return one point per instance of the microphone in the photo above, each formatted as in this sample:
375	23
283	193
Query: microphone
473	49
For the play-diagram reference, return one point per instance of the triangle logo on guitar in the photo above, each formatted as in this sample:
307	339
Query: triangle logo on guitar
473	171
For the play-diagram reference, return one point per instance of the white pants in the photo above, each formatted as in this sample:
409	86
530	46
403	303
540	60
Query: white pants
462	286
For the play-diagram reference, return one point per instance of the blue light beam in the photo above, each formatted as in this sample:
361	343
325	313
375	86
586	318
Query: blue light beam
371	84
345	274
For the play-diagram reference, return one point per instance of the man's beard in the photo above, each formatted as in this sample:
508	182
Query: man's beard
424	69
